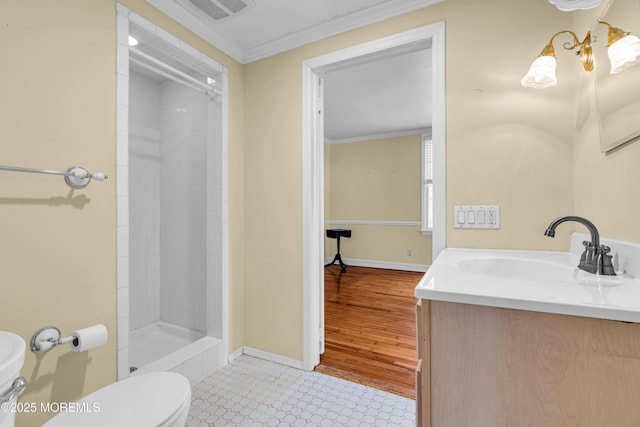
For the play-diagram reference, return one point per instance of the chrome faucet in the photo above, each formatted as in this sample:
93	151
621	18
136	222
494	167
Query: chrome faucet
595	258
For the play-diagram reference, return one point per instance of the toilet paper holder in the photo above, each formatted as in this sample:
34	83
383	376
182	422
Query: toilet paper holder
48	337
81	340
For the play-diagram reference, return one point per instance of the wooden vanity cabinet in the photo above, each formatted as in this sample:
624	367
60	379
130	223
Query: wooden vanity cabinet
486	366
423	377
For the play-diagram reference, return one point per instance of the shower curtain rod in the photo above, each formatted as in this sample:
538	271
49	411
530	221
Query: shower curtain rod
169	72
76	176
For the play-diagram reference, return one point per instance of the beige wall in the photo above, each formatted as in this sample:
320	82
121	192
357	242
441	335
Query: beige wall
273	207
377	180
606	185
58	258
57	110
386	244
506	145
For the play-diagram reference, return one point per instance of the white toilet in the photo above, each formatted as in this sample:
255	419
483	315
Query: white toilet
12	349
156	399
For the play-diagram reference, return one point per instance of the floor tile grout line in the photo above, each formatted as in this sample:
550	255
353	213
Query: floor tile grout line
255	392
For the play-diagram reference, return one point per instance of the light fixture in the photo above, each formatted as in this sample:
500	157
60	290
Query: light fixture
569	5
623	50
543	70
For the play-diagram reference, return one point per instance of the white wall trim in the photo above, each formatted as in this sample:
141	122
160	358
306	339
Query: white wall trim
332	28
176	11
431	36
216	306
312	216
387	265
290	41
381	223
409	41
439	138
224	245
377	136
235	354
272	357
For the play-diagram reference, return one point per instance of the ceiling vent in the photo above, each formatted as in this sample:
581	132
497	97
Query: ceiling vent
221	9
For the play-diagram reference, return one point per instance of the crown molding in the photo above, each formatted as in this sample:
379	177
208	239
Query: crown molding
293	40
373	137
176	11
335	27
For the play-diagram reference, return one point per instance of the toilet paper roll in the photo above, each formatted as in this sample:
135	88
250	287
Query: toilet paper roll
88	338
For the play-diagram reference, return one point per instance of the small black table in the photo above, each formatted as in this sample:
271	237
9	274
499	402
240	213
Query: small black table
336	233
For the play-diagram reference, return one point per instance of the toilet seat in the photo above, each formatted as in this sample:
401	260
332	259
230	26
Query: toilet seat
154	399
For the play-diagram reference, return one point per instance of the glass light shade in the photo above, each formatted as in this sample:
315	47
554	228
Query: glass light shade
624	53
542	73
569	5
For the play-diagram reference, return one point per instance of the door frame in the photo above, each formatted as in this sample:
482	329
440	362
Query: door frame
432	36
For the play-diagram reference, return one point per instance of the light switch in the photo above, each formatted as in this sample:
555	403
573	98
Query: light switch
481	218
471	217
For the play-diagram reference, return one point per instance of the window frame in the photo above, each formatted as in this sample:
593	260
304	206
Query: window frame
426	184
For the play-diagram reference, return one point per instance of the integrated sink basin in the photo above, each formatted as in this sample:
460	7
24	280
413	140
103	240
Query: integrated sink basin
521	269
529	280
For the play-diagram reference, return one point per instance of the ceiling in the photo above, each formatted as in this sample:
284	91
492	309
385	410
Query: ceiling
273	26
388	97
385	97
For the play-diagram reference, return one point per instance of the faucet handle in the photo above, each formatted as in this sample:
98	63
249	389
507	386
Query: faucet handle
604	264
605	249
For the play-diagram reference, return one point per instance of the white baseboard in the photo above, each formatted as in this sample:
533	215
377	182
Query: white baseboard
235	354
382	264
298	364
271	357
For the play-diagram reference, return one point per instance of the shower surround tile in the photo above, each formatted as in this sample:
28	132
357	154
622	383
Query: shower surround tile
210	311
254	392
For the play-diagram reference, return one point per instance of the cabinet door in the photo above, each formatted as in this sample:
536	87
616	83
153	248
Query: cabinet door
419	327
423	372
419	394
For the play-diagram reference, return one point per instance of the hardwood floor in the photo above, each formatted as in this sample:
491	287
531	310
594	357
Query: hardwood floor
370	327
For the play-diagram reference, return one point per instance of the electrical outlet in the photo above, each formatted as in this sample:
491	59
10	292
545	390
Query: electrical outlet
492	216
409	252
476	217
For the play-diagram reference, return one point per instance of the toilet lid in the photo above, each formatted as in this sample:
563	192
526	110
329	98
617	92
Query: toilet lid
143	400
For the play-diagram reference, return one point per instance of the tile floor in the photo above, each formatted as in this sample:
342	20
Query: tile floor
255	392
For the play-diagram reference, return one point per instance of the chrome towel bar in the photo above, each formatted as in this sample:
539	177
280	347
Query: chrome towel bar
76	176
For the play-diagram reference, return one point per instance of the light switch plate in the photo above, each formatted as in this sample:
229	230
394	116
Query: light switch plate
476	217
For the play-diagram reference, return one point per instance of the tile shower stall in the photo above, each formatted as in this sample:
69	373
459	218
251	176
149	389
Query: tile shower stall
171	204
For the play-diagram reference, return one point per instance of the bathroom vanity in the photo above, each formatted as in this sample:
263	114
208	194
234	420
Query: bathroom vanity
524	338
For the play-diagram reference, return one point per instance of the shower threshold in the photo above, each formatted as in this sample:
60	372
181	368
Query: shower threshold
196	360
155	341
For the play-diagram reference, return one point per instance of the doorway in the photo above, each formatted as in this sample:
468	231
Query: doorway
430	37
172	182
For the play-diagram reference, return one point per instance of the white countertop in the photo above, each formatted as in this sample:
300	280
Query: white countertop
541	281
